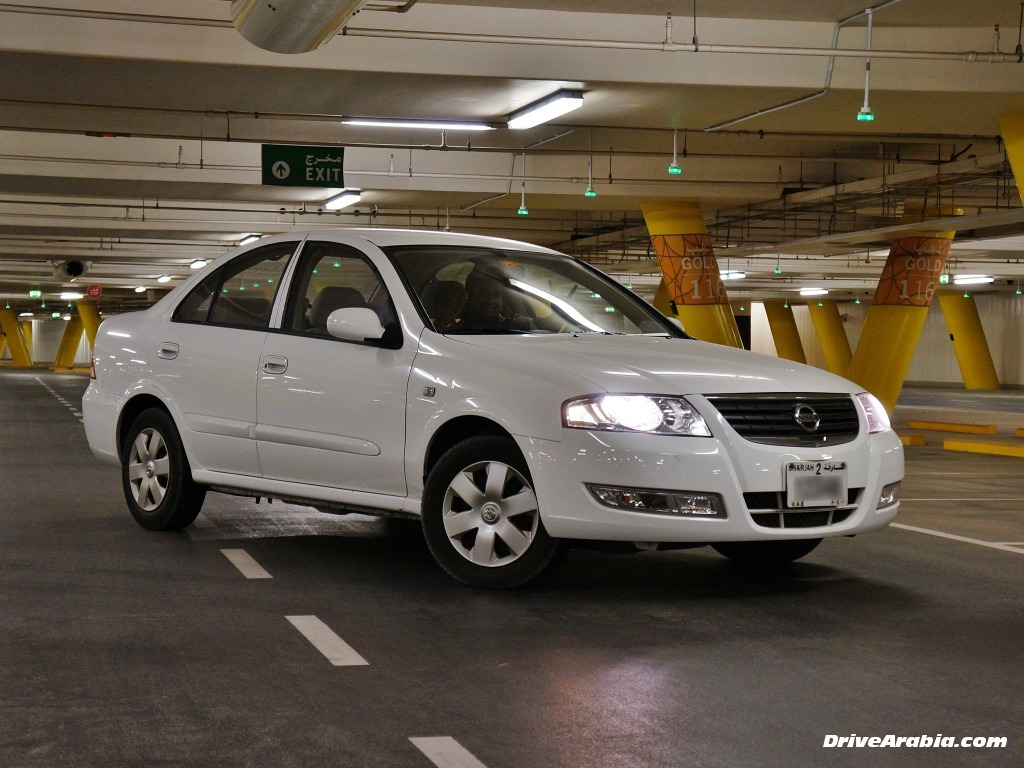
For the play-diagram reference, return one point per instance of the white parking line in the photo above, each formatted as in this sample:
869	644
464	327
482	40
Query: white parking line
979	542
446	752
337	651
244	562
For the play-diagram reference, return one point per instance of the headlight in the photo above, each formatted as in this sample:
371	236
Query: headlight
878	419
634	413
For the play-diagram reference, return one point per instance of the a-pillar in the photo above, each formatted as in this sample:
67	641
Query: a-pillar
828	327
899	308
15	336
687	260
784	331
968	337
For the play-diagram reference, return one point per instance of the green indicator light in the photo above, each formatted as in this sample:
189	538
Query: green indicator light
629	286
944	279
609	309
336	264
857	301
786	305
522	211
270	279
225	290
315	271
241	287
865	115
674	169
43	305
590	192
967	295
1018	292
35	293
256	285
820	304
778	271
742	308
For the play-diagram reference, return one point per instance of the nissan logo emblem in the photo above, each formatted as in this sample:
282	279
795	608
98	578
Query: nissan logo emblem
806	417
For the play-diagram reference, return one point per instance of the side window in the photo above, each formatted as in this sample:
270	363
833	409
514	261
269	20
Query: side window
241	293
330	277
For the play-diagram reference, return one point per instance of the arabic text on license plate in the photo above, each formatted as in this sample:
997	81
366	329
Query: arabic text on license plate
815	484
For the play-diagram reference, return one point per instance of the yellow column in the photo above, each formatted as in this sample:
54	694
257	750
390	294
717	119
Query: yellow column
784	331
69	343
899	308
968	337
690	269
15	338
3	343
1012	129
90	319
828	326
661	302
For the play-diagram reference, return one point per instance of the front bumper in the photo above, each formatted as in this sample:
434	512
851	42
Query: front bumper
561	471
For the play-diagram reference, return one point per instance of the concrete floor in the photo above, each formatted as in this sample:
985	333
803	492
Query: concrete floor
124	648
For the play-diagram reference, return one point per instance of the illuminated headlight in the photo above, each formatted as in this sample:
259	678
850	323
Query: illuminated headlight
890	495
878	419
634	413
675	503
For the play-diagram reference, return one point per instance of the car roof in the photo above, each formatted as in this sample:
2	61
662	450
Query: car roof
384	238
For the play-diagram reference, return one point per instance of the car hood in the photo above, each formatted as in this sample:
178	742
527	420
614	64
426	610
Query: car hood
662	365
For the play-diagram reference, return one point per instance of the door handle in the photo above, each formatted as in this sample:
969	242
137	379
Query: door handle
167	350
274	364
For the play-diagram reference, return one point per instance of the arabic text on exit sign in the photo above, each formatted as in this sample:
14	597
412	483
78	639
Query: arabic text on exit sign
285	165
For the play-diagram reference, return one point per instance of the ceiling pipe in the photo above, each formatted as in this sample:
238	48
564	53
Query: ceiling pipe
292	26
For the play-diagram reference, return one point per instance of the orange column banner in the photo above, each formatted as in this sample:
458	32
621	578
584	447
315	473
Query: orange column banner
911	274
690	269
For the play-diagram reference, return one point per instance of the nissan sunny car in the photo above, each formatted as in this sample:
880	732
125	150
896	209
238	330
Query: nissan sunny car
514	399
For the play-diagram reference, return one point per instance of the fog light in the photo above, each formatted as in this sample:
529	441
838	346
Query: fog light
890	495
652	502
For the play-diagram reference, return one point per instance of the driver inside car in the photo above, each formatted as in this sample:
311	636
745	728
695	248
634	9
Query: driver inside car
485	308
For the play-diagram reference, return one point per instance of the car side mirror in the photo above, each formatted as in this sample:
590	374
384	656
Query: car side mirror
355	324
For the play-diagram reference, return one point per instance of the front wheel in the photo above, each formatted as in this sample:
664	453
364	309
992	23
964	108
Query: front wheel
156	476
481	518
766	552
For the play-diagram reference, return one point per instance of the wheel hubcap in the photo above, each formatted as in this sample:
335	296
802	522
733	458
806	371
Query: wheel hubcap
490	514
149	469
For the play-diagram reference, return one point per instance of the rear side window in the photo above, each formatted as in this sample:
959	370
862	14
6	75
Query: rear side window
239	294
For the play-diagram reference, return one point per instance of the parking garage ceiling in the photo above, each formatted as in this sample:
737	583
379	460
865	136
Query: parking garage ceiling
131	132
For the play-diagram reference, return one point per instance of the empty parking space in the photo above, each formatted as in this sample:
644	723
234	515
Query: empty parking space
123	647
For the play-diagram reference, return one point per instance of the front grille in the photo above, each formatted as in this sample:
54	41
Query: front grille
768	510
772	419
815	518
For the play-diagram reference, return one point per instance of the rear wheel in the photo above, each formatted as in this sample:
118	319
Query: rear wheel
156	476
481	518
766	552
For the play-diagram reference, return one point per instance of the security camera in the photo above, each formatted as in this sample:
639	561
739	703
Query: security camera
72	269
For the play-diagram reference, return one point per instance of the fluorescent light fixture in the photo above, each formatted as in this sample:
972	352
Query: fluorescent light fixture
161	279
345	199
71	296
548	108
813	291
65	317
251	238
973	279
24	314
435	125
198	264
140	288
733	274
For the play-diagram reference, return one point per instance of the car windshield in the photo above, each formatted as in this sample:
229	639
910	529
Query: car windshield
487	291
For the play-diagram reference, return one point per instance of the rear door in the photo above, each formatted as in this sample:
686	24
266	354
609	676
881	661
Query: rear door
207	356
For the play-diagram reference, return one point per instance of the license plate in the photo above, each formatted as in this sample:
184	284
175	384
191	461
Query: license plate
816	484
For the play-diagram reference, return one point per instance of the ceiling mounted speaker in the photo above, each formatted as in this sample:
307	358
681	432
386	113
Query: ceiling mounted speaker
291	26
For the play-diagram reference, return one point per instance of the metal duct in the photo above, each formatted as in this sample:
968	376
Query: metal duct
291	26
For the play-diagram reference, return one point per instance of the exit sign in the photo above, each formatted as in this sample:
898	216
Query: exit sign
286	165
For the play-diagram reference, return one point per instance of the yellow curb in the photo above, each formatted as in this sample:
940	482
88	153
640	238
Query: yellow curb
996	449
945	426
910	439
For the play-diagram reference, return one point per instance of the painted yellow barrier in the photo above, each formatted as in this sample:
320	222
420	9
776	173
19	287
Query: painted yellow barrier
979	446
946	426
910	439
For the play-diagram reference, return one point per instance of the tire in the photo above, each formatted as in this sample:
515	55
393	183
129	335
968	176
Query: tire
766	552
156	476
481	519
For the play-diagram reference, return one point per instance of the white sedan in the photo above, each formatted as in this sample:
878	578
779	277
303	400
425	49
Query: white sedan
515	399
